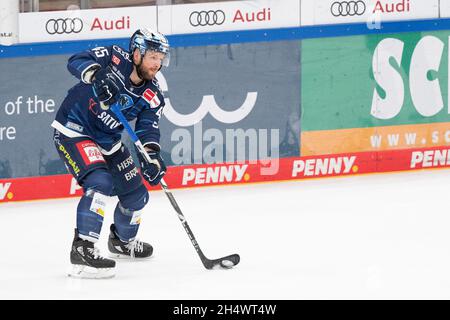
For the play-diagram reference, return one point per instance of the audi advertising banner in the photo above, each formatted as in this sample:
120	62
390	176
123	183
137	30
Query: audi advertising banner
226	16
84	24
218	16
373	12
171	19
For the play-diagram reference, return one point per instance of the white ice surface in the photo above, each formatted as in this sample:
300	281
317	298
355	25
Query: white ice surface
366	237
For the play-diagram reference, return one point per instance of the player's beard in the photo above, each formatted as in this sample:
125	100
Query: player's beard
145	74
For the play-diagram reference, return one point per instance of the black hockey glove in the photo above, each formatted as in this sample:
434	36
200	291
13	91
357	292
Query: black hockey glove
105	86
154	171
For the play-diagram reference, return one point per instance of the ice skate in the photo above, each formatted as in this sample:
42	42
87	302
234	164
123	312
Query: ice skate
87	261
135	249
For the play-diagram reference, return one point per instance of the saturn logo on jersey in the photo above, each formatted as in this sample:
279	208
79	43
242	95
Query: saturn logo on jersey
90	152
108	120
151	98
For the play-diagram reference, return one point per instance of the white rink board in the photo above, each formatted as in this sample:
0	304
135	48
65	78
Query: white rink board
317	12
227	16
445	8
84	24
9	22
71	25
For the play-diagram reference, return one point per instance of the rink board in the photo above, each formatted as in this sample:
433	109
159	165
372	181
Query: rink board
310	107
297	168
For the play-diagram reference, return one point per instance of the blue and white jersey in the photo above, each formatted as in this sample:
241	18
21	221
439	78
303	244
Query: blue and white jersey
81	113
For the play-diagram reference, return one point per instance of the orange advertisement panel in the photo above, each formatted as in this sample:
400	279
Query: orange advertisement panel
375	139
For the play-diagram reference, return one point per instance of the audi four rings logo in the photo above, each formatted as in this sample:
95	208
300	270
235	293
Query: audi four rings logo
67	25
348	8
207	18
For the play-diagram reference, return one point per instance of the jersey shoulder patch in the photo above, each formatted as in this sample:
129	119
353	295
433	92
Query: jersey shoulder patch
152	98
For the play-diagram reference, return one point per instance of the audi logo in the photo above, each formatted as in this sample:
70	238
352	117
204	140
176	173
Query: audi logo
67	25
348	8
207	18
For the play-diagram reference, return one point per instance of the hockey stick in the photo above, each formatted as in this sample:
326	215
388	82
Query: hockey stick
225	262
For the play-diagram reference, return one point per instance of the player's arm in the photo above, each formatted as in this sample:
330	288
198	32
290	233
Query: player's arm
92	67
83	65
147	129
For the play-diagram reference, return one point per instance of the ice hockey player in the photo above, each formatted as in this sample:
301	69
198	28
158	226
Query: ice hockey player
87	136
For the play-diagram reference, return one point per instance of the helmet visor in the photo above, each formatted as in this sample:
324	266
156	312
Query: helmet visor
160	47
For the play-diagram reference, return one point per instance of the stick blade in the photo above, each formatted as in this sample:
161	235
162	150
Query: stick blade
227	262
230	261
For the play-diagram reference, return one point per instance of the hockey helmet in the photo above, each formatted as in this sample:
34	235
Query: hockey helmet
147	39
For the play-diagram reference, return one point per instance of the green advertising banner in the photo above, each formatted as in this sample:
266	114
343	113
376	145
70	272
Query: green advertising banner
375	92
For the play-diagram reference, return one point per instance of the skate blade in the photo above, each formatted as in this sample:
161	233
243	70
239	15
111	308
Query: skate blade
86	272
118	256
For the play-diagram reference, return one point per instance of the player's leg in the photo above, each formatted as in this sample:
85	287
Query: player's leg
122	240
133	196
84	256
97	186
85	162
